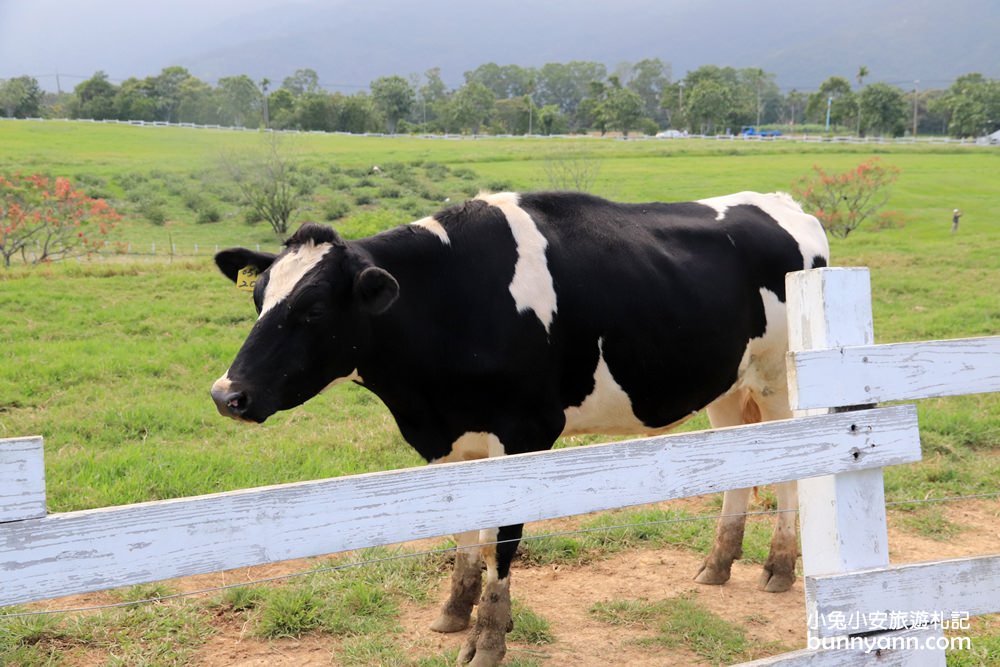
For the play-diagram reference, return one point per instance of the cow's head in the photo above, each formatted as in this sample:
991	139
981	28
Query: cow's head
314	302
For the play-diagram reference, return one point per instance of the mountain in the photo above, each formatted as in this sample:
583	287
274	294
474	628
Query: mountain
351	43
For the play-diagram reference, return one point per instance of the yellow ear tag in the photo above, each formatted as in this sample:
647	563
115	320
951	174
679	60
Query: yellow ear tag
246	278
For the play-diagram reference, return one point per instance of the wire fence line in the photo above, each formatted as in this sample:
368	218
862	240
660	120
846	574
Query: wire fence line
151	251
792	137
444	550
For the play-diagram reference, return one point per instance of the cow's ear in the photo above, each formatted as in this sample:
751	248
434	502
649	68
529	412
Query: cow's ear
375	289
232	260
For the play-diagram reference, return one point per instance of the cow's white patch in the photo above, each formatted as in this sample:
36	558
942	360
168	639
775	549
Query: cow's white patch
435	228
762	369
804	228
288	270
607	409
471	446
532	286
222	385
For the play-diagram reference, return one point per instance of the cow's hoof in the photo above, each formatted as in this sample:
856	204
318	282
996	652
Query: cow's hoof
710	574
473	657
450	623
775	582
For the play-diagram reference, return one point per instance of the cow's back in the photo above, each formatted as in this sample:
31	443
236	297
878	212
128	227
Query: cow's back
625	317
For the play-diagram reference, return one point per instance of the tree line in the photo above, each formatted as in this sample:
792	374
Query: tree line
557	98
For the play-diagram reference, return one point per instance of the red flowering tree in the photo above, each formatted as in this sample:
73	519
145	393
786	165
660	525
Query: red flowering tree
43	219
842	202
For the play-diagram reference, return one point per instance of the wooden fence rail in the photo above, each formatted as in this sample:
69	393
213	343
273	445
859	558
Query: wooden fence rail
90	550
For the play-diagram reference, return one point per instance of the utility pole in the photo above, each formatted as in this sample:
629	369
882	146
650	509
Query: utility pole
264	84
829	103
915	84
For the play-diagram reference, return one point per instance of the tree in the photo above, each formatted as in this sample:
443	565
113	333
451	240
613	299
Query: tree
551	120
834	93
394	97
198	103
20	97
794	107
50	219
842	202
239	101
566	85
167	90
860	78
134	100
472	105
281	107
302	82
355	113
94	98
314	111
971	106
506	81
622	108
883	109
264	180
723	97
510	116
707	103
649	78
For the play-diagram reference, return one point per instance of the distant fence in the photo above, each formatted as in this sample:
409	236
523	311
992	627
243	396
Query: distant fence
804	138
152	251
836	445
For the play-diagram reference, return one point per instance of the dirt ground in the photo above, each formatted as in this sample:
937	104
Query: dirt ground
562	595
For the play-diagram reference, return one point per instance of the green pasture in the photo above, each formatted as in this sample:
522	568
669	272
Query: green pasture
111	358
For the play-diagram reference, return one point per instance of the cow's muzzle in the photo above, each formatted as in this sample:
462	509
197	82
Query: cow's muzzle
231	401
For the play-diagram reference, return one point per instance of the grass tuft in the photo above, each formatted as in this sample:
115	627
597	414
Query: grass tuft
681	622
529	627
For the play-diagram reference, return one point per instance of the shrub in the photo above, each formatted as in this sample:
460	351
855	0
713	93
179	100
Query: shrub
207	214
192	200
842	202
50	217
153	211
436	171
335	209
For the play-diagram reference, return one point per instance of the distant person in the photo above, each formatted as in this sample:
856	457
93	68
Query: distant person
955	215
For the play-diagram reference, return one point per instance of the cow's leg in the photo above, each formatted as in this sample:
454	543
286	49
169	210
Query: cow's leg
729	410
467	577
466	585
779	568
778	574
728	544
487	641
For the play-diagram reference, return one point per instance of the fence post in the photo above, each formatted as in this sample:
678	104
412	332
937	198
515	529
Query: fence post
842	517
22	479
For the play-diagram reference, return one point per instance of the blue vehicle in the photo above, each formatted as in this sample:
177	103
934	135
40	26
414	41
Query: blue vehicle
751	131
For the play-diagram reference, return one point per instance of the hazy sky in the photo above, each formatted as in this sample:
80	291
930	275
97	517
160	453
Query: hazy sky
78	37
351	42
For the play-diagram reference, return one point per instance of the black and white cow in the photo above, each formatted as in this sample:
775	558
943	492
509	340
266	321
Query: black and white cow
500	324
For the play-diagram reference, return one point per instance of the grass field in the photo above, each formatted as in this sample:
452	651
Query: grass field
112	360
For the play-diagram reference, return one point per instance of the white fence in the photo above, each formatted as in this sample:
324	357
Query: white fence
838	456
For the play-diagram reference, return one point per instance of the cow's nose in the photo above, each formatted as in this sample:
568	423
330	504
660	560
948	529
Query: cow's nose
230	402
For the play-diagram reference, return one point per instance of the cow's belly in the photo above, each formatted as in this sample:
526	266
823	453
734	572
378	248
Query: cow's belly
761	374
608	409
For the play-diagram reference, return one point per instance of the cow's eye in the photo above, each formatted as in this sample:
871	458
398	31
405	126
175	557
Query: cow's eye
314	313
